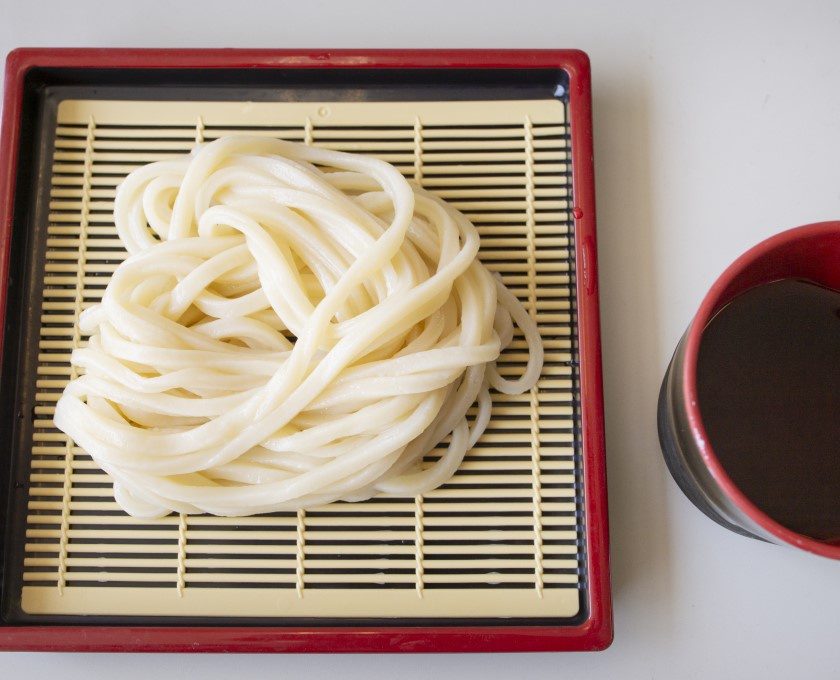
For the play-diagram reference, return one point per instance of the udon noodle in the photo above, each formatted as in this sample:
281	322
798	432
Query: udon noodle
293	326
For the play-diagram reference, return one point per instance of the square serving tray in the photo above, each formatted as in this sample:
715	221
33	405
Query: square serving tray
510	555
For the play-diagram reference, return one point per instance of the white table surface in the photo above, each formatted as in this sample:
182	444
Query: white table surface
715	127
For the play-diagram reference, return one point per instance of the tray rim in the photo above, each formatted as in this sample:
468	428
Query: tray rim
596	632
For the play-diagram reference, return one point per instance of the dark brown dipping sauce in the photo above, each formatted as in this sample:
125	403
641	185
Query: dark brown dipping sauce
768	382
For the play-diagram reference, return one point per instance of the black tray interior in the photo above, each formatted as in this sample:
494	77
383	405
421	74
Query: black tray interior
44	89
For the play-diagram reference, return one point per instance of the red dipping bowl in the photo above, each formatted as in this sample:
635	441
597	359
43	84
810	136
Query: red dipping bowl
809	253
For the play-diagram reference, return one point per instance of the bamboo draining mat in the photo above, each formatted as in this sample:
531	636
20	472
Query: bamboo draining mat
504	538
